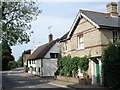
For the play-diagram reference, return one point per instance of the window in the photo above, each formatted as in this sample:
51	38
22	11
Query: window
65	46
39	69
33	61
34	69
30	61
115	36
80	42
54	55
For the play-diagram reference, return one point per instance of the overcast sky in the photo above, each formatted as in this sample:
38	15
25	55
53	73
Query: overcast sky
60	16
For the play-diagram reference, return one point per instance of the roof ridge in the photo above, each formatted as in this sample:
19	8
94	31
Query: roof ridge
94	12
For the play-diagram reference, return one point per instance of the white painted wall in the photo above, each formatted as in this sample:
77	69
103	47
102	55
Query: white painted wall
80	74
49	64
54	49
49	67
93	69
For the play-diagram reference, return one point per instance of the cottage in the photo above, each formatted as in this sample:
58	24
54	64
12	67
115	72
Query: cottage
43	61
90	33
25	58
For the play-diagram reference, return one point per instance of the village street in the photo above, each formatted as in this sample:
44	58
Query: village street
17	79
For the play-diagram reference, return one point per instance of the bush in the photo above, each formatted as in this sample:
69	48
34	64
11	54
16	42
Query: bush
111	65
12	64
84	64
25	68
68	66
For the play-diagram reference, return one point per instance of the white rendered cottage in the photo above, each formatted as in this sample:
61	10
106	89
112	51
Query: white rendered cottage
43	60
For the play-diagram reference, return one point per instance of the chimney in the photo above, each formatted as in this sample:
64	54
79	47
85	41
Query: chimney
112	8
50	37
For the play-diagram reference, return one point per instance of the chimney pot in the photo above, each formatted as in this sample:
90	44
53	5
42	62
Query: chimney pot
50	37
112	8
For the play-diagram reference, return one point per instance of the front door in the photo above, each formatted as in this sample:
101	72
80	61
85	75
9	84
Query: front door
97	73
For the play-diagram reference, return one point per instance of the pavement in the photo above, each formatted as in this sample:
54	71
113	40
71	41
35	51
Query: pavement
65	84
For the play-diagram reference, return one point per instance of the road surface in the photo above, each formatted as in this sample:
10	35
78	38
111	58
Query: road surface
17	79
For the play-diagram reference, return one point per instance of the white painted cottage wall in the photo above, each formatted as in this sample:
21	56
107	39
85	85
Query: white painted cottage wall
54	49
49	64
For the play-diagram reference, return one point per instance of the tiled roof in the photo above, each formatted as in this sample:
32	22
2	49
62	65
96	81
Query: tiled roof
94	12
64	36
102	19
26	56
41	51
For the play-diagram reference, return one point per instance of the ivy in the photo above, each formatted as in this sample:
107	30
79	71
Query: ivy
68	66
84	64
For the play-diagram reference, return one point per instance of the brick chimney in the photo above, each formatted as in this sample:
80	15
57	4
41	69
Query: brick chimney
50	37
112	8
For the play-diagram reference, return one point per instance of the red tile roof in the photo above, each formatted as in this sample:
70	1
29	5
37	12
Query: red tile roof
26	56
94	12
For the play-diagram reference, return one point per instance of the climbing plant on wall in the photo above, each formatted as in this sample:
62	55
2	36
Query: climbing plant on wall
68	66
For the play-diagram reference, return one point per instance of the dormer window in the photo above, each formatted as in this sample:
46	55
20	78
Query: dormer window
80	42
115	36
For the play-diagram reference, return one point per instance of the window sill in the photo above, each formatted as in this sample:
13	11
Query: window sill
80	48
65	51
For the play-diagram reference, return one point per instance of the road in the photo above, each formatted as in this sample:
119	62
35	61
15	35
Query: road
17	79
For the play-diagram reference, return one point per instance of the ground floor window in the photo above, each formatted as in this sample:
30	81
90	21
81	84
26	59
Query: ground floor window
39	69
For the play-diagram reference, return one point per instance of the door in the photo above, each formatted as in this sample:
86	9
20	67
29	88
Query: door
97	73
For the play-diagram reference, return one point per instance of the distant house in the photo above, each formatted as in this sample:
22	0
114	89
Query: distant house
90	33
25	58
43	61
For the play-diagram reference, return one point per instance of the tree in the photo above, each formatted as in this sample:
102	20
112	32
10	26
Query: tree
111	65
15	19
12	64
20	60
6	55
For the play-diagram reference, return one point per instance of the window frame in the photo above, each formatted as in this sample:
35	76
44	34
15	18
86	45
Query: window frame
115	35
65	46
80	40
55	55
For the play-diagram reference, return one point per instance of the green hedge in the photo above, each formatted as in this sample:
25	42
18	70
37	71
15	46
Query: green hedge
68	66
111	65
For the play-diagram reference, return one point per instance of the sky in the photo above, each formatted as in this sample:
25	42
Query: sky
59	15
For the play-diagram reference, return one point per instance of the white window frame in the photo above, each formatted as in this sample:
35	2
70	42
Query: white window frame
116	36
80	42
65	46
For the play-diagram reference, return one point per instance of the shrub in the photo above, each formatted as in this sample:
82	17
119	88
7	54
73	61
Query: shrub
111	65
84	64
68	66
12	64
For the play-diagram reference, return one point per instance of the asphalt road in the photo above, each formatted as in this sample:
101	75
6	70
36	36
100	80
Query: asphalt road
17	79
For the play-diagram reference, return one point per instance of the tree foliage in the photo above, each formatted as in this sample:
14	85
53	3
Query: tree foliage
84	64
12	64
6	55
20	60
111	65
68	66
15	19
